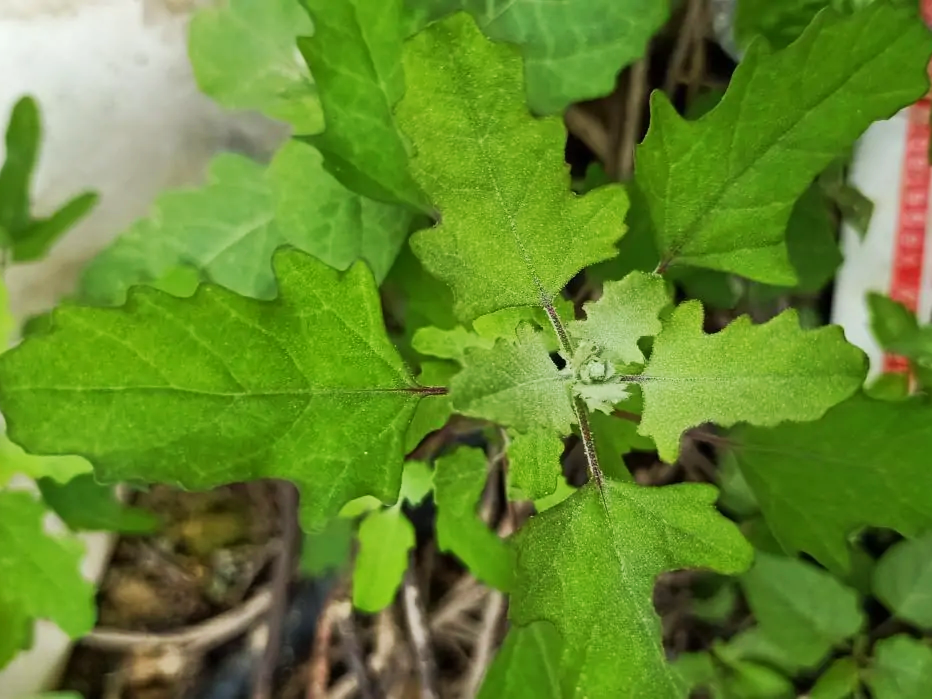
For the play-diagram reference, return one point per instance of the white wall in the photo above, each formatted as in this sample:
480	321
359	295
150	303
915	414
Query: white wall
122	116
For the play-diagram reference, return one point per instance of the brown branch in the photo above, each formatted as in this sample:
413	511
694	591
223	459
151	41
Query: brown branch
200	638
319	666
631	127
699	434
684	41
346	626
287	497
388	655
465	595
420	635
492	616
588	129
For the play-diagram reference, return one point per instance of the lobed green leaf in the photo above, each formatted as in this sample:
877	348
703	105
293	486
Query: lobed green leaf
244	56
720	189
515	384
760	374
230	227
801	608
220	388
861	465
607	547
355	56
511	232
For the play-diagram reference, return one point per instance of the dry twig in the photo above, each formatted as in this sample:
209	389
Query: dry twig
588	129
195	639
690	32
631	126
287	496
420	635
488	633
319	666
346	627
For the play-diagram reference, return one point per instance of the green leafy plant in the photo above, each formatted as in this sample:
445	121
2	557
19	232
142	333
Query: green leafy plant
423	119
24	237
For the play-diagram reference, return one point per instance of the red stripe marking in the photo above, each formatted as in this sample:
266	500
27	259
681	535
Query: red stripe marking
909	246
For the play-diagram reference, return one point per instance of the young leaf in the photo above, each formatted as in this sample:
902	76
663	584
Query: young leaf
721	189
41	573
83	504
840	681
868	450
595	379
13	461
23	134
515	384
740	678
895	326
755	645
800	607
355	56
534	463
627	311
761	374
327	550
608	546
902	580
29	238
898	331
563	491
417	480
504	323
244	56
385	538
901	669
696	671
306	387
511	232
230	227
459	480
525	666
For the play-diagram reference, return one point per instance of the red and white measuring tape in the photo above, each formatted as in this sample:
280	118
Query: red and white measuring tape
891	167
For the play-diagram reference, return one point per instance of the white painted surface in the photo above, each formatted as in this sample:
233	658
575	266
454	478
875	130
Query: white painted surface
876	170
121	116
